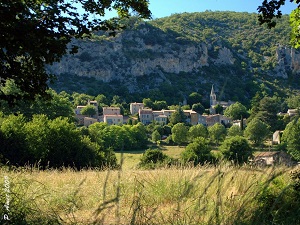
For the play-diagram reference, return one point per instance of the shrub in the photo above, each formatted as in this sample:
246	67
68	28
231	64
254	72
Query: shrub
237	149
197	152
153	158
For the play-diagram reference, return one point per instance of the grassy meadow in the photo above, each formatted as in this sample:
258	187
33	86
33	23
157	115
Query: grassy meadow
222	194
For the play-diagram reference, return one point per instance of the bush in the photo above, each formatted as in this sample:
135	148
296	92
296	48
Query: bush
278	202
197	152
153	158
55	143
237	149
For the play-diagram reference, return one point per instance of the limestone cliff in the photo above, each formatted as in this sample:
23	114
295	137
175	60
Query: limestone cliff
200	45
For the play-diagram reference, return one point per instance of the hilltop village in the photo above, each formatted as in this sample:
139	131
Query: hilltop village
112	115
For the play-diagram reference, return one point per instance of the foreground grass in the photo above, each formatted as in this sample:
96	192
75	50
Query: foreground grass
202	195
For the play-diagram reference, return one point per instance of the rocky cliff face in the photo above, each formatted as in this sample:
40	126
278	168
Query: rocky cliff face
148	50
288	60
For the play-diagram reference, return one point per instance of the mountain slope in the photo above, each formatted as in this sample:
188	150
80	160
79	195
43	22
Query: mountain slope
173	56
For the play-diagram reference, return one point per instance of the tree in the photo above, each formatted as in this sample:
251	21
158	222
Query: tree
236	149
270	10
148	103
58	105
53	143
152	157
236	111
291	136
267	112
199	108
102	99
116	100
179	133
219	109
257	131
81	99
155	136
293	102
235	130
178	116
217	132
89	110
197	131
159	105
13	145
197	151
35	33
194	98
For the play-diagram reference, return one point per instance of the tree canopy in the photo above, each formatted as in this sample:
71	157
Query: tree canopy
270	11
37	32
291	136
257	131
89	110
217	132
198	151
236	111
179	133
236	149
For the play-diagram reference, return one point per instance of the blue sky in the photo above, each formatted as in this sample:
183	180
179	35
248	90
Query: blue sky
162	8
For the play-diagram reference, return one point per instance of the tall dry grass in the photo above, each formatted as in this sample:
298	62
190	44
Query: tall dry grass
203	195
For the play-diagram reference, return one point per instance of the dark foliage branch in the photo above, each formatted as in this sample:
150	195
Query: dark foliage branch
269	10
34	33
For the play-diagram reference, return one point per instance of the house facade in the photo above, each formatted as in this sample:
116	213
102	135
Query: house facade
135	107
111	111
161	119
273	157
146	116
277	137
191	117
113	119
87	121
217	118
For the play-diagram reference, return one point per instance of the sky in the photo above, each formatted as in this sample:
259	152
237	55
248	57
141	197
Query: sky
162	8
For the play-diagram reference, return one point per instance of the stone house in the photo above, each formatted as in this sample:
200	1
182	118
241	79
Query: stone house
191	117
217	118
112	115
146	116
111	111
168	112
202	119
135	107
113	119
273	158
87	121
161	119
292	112
83	119
277	137
78	109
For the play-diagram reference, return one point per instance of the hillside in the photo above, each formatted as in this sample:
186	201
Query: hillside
171	57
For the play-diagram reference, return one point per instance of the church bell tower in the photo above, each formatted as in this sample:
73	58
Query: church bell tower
213	97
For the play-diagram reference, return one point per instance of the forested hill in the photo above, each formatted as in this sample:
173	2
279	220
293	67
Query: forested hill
171	57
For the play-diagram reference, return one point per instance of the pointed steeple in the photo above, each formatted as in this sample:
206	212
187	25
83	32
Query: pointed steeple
213	97
212	92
